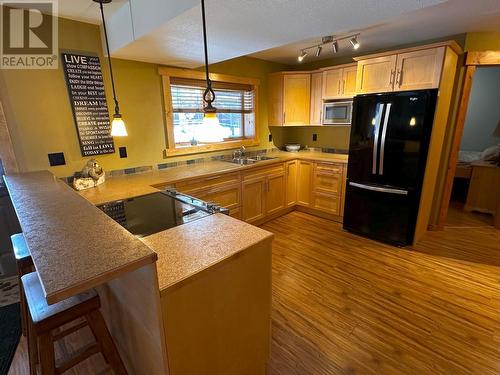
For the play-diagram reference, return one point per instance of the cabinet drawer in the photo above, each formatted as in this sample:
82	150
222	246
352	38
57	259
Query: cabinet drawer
262	172
328	168
327	182
235	212
207	182
326	202
228	197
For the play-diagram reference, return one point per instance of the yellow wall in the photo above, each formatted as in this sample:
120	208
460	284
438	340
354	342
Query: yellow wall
39	114
482	41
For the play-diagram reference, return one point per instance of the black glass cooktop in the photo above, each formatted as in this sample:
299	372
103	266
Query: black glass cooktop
152	213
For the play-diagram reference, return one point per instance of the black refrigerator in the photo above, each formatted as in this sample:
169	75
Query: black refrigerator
390	136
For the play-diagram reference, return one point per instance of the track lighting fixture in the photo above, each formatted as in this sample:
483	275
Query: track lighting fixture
302	55
318	50
335	46
354	42
353	39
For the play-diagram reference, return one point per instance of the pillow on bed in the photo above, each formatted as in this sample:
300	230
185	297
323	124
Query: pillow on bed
491	153
469	156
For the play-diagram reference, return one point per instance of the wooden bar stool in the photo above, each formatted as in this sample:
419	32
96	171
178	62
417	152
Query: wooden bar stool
24	264
44	318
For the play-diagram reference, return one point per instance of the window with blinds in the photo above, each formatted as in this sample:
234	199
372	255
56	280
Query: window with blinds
234	103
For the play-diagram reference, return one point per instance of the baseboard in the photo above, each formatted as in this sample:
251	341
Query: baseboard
324	215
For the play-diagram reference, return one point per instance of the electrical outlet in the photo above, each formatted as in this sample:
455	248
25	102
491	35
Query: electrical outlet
270	137
56	159
315	137
123	152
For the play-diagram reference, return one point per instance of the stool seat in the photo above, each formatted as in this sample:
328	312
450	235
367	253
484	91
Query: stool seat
37	304
20	247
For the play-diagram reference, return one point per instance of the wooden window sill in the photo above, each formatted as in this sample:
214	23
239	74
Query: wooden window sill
227	145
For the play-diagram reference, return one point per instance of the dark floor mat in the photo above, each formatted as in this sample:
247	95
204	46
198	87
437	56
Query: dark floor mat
10	333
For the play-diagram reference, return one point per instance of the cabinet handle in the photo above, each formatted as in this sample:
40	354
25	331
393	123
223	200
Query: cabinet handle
338	90
398	78
343	86
284	113
391	80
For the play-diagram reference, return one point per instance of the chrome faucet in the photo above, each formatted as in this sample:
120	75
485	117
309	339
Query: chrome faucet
239	153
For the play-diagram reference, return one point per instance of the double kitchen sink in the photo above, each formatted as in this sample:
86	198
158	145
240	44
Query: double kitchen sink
244	160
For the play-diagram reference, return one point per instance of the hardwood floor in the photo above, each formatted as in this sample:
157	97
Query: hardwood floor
458	217
347	305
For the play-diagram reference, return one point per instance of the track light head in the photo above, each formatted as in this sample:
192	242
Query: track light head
335	46
318	50
302	55
354	42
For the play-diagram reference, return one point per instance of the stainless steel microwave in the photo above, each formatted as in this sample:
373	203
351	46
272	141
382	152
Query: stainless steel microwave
337	113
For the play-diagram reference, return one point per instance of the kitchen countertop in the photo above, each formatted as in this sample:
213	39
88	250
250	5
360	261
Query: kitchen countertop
74	245
133	185
188	249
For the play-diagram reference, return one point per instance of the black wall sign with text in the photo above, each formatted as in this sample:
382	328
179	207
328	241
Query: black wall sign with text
88	101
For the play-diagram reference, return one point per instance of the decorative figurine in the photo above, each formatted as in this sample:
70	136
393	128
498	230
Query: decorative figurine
91	175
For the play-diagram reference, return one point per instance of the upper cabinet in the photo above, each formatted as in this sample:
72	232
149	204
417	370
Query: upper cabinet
316	95
289	98
413	70
419	69
339	82
376	74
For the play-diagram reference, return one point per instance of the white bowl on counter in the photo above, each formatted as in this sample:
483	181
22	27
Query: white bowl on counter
292	147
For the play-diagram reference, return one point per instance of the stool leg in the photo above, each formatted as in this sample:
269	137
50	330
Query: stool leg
102	335
22	305
32	347
46	353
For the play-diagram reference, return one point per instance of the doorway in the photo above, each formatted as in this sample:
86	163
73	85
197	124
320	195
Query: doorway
472	186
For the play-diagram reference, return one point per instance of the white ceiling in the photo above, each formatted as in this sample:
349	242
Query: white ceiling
449	18
169	31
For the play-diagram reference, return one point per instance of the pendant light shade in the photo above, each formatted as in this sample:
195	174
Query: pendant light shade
118	128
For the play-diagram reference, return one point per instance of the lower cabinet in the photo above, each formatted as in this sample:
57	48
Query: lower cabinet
304	182
257	193
253	199
264	192
291	169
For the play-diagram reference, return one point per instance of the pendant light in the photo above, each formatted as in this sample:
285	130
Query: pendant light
212	131
118	128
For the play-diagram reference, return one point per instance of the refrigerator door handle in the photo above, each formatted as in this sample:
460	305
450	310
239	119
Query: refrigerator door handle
382	142
380	110
379	189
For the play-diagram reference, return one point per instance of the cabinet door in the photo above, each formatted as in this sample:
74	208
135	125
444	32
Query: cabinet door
275	99
253	199
332	83
349	81
304	182
376	75
275	193
316	95
296	99
419	69
291	183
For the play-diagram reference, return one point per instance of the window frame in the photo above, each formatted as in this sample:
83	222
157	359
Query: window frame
251	132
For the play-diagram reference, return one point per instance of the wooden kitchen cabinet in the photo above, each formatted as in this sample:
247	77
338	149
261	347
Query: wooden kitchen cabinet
411	69
376	74
327	187
316	98
253	199
339	82
289	96
291	170
304	182
263	192
418	70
